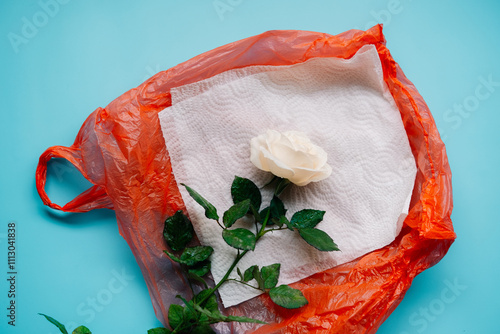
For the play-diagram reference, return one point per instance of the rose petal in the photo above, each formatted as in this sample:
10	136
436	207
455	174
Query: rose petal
292	158
270	138
299	139
277	167
302	176
255	151
264	159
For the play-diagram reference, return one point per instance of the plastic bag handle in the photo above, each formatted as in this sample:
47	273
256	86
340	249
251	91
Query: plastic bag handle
93	198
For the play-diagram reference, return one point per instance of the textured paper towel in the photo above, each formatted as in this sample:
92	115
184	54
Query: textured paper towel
343	106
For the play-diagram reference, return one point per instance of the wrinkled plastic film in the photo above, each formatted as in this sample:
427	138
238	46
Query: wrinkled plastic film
121	150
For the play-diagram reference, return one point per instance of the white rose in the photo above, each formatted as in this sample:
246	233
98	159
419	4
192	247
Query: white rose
290	155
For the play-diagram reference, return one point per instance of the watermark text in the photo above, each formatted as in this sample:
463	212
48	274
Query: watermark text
30	26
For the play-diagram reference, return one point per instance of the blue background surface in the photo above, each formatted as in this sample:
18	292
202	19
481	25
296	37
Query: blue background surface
71	58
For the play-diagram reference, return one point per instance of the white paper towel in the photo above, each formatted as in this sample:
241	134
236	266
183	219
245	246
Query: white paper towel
344	107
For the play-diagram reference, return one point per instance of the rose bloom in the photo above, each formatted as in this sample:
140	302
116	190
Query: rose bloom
290	155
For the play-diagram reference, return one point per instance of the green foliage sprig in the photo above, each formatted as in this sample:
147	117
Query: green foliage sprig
198	314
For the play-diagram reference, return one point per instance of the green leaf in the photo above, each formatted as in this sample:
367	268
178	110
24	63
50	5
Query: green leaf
56	323
210	210
248	275
175	315
200	269
287	297
82	330
243	189
258	277
202	329
239	238
202	318
237	211
318	239
210	303
240	274
270	275
307	218
277	207
178	231
159	330
277	210
195	255
192	255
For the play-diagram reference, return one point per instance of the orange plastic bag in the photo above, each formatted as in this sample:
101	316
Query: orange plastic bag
121	150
